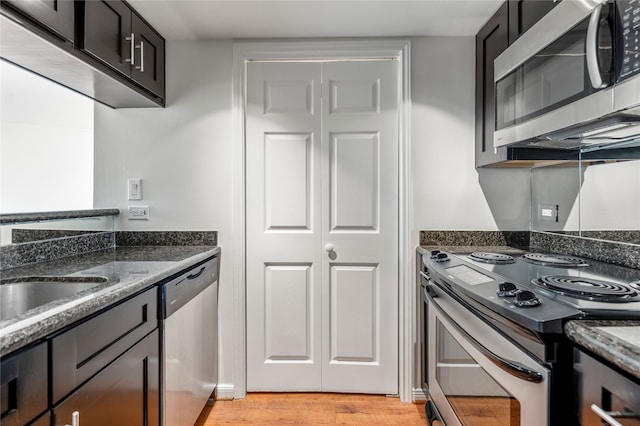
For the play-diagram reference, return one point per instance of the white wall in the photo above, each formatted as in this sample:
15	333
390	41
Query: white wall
184	154
449	193
46	144
610	197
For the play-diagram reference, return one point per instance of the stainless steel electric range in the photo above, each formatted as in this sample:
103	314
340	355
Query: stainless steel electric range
492	332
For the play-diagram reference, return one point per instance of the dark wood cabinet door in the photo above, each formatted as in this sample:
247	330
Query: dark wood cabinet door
149	63
524	13
124	393
56	15
491	40
106	27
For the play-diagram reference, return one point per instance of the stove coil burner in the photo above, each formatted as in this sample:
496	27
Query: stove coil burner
494	258
588	289
553	260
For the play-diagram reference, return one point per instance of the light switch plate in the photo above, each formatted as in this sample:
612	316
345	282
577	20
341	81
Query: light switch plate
134	189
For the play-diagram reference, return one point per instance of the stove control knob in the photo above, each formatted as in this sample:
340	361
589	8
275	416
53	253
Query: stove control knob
507	289
442	257
526	299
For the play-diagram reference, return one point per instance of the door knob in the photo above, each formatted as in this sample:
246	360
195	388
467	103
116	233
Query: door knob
328	248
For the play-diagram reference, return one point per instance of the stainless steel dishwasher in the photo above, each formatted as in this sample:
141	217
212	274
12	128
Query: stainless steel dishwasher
189	326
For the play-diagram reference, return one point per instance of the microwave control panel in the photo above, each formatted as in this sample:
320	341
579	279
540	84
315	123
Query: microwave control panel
629	15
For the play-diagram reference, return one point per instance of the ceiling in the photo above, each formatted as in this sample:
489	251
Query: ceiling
224	19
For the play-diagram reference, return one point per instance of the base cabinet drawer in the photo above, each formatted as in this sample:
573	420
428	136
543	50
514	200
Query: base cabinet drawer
124	393
82	351
24	386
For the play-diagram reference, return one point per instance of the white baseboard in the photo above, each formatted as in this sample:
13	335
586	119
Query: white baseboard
418	395
224	391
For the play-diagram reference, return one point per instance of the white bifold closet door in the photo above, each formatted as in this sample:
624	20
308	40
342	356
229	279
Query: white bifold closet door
322	226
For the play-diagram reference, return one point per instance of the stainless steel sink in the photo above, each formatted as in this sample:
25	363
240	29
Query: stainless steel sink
19	295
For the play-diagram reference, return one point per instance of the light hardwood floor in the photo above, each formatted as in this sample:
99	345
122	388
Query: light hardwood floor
313	409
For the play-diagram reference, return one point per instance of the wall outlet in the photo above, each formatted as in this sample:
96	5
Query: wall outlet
548	212
138	212
134	189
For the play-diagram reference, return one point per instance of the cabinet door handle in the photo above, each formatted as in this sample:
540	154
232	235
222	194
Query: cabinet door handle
610	416
132	40
141	47
141	56
75	419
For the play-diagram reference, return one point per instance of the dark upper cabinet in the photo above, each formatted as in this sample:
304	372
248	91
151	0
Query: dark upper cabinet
524	13
149	68
114	34
491	40
106	27
56	15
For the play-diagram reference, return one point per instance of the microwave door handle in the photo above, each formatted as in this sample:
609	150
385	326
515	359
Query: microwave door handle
592	49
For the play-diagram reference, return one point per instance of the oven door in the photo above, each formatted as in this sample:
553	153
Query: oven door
476	374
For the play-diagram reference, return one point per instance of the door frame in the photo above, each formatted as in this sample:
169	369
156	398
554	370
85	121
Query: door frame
245	52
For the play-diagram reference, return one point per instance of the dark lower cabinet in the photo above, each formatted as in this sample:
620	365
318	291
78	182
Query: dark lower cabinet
82	351
125	393
56	15
24	385
112	33
102	371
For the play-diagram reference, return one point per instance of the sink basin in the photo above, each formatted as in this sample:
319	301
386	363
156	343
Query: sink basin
19	295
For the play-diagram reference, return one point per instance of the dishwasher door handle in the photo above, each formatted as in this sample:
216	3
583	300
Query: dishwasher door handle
197	274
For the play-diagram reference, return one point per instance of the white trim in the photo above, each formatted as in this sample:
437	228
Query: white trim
244	52
419	395
224	391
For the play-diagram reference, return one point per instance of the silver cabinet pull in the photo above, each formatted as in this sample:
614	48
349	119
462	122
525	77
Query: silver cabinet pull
141	56
75	419
141	47
610	416
132	40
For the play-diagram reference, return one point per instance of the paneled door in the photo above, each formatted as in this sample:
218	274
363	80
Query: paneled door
322	226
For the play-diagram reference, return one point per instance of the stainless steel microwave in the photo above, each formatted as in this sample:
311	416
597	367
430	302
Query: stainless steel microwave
573	79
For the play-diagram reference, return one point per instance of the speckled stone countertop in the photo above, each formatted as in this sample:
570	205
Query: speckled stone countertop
471	249
128	270
615	341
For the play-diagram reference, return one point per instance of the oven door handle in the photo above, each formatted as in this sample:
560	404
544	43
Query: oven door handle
515	369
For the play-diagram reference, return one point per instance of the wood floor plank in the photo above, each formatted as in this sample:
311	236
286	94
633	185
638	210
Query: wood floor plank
312	409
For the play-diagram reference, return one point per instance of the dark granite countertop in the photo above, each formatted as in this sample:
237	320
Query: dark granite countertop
615	341
471	249
10	218
128	270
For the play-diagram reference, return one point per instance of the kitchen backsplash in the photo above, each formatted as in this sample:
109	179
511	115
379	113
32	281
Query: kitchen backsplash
26	253
607	251
14	255
519	239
